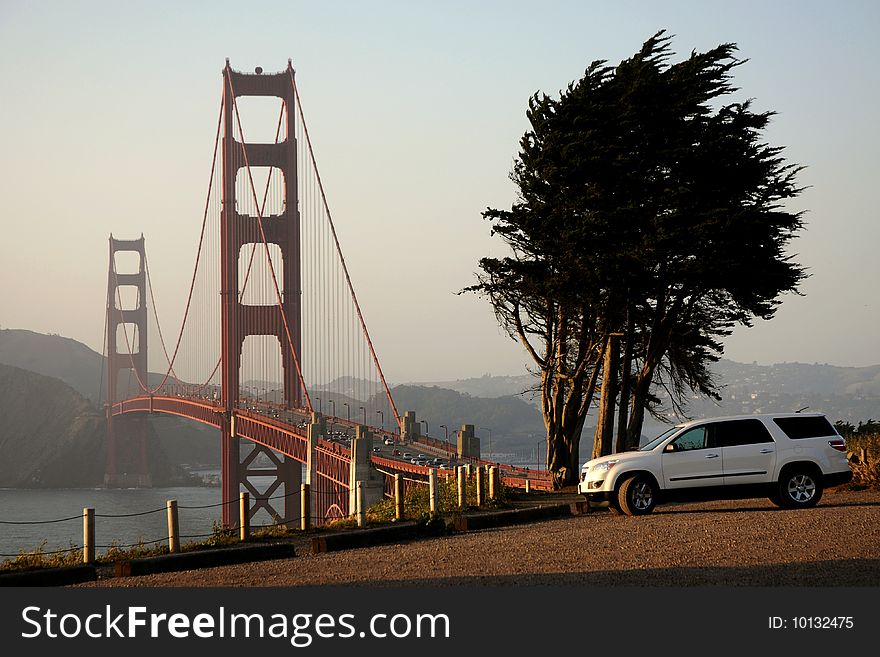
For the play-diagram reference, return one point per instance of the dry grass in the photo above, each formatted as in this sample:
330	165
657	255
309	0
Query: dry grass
864	458
39	558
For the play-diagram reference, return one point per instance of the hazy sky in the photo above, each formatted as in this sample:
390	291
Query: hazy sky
108	112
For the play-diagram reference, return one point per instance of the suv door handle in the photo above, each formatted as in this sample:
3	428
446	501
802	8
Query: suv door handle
711	456
767	451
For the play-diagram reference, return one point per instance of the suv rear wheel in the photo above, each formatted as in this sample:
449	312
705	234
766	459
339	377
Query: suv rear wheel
637	496
799	488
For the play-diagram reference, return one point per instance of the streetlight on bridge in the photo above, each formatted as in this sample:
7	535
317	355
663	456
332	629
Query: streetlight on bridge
445	431
382	415
365	415
347	411
489	447
319	403
538	454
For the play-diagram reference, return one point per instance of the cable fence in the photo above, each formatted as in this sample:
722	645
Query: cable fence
147	530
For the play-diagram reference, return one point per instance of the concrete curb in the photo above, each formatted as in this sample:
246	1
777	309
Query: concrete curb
407	531
50	576
203	559
472	521
402	531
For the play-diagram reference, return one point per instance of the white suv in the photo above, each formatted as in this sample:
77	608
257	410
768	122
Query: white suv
789	458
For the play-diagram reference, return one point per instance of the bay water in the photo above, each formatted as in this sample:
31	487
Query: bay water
124	517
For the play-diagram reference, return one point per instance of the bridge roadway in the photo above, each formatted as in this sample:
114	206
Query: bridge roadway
285	431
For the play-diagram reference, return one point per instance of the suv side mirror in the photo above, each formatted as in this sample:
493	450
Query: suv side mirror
671	447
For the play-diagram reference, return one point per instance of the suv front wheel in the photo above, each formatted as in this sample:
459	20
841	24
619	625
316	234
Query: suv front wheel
637	496
798	488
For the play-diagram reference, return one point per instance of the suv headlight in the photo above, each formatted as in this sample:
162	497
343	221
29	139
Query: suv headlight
604	466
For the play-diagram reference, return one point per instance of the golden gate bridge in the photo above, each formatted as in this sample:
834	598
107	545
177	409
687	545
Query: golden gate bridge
272	344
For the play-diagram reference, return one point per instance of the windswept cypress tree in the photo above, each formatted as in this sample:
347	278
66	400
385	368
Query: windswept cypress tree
649	218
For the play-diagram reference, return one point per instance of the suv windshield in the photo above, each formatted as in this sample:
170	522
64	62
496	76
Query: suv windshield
659	439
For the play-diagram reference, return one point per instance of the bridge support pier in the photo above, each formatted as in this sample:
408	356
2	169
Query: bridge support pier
468	443
362	471
230	458
317	430
264	463
409	427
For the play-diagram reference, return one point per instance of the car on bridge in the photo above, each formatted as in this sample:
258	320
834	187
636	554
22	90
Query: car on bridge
789	458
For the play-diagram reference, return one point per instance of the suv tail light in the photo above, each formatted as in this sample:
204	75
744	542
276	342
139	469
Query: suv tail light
838	443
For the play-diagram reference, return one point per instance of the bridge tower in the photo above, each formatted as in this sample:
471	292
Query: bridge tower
239	231
127	461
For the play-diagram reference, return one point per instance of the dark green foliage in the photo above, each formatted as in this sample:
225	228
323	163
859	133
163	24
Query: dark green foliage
848	429
648	208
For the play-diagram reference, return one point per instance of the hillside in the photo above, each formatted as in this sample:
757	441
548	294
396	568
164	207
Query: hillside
515	424
844	393
50	434
81	368
55	356
851	394
53	437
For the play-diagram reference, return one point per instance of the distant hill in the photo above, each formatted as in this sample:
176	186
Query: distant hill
81	368
52	355
53	437
50	434
845	393
515	424
507	405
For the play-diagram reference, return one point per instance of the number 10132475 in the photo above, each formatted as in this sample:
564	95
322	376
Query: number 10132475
811	623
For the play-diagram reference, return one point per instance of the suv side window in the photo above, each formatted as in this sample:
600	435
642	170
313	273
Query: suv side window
805	427
696	438
741	432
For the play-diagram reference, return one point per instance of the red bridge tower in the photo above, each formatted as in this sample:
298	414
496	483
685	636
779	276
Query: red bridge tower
127	437
239	320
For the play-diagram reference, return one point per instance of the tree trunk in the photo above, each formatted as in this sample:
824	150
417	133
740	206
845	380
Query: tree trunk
639	401
603	440
564	418
623	408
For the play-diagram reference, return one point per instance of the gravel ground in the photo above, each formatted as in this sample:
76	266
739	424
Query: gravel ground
731	543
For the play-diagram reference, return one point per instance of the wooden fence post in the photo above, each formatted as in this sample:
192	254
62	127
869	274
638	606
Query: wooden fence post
173	527
244	516
305	507
398	496
359	505
432	490
88	535
461	481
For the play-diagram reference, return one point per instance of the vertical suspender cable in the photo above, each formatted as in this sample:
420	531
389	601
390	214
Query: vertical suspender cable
339	250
